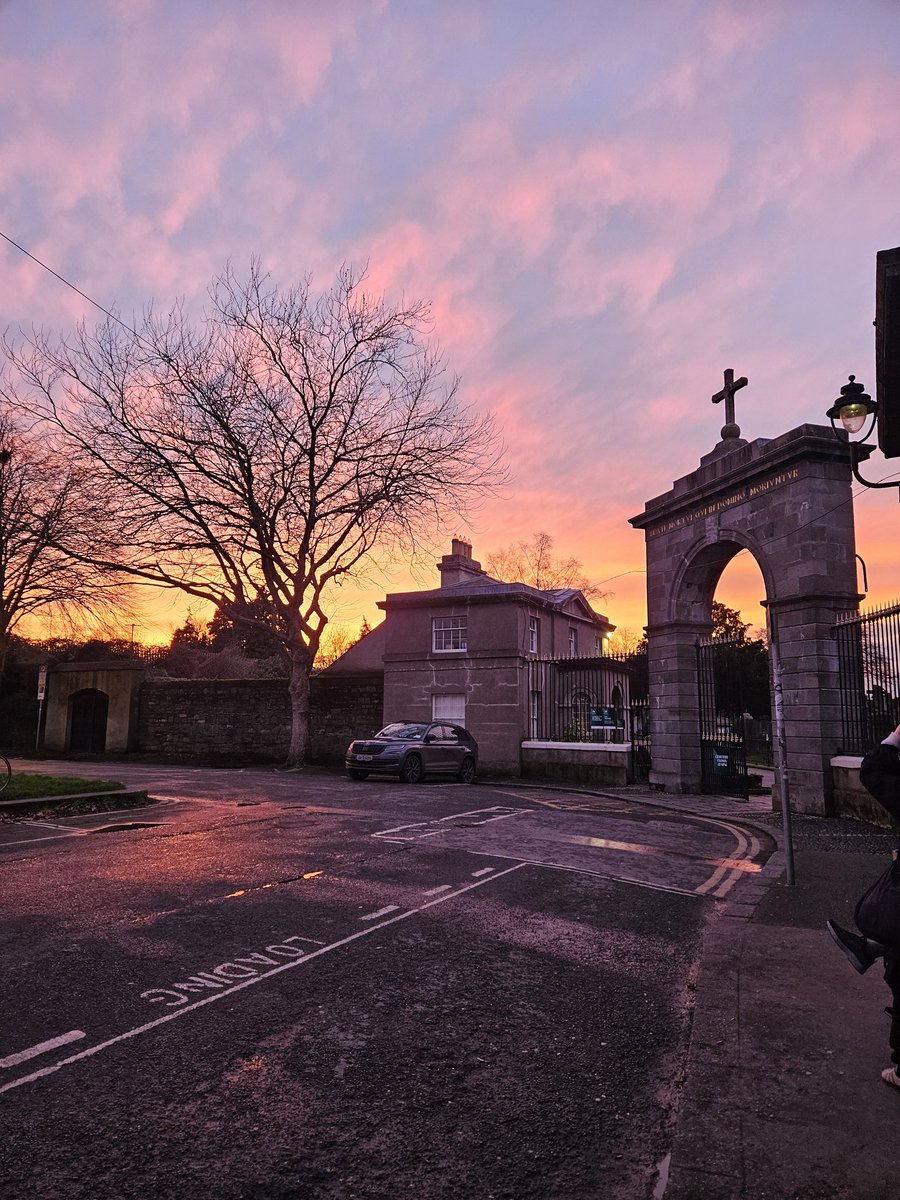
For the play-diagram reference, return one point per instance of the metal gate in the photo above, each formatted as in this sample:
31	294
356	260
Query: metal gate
638	712
723	755
89	710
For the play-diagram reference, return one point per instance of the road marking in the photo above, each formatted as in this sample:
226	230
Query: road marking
412	825
382	912
483	871
445	887
723	864
615	879
239	987
64	1039
552	866
476	812
751	845
50	837
426	829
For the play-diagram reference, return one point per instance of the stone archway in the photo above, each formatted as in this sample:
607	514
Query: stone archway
787	501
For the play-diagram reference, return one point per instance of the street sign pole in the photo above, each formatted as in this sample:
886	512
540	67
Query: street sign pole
41	692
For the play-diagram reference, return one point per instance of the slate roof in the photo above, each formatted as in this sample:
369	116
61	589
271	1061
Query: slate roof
492	589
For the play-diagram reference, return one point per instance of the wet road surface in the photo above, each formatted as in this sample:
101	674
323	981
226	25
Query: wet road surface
291	986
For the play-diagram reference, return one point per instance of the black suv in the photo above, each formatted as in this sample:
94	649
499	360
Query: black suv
414	749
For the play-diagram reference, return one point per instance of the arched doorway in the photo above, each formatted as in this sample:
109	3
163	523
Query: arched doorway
88	713
788	501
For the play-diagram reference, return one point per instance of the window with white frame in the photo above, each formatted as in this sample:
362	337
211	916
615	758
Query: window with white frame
534	635
451	706
448	633
573	640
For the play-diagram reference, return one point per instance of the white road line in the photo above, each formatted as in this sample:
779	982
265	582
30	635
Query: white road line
239	987
552	866
445	887
501	812
476	812
13	1060
397	828
483	871
51	837
382	912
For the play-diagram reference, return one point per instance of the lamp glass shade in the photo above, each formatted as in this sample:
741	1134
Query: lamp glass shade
853	417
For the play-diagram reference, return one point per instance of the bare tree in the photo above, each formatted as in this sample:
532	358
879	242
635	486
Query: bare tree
268	452
335	642
45	500
627	641
533	563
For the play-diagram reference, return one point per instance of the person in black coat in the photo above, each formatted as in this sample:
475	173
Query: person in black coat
879	774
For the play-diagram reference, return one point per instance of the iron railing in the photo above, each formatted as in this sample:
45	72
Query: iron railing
578	700
869	673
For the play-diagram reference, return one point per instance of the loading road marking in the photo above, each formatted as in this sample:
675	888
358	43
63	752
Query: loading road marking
182	1010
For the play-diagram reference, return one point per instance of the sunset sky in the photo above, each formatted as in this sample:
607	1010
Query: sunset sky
607	204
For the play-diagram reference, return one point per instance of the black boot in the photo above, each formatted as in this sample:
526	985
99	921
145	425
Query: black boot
861	951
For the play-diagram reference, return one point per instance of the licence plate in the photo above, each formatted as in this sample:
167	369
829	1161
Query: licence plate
363	757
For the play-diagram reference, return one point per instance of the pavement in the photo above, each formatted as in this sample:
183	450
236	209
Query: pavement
782	1096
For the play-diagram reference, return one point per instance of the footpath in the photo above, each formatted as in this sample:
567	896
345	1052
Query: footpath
782	1097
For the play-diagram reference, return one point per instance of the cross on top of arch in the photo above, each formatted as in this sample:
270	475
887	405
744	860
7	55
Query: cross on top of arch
730	429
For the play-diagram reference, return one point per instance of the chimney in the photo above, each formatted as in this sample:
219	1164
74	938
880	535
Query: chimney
459	566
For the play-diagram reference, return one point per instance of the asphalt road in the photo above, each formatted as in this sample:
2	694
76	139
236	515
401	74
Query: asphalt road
291	986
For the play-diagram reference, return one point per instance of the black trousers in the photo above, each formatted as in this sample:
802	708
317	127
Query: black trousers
892	979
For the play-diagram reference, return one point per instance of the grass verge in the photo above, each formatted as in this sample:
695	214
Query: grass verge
30	787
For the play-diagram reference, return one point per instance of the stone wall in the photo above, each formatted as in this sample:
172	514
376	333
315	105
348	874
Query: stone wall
344	707
249	719
850	798
577	762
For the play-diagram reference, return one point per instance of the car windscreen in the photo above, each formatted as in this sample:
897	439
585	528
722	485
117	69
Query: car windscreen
403	732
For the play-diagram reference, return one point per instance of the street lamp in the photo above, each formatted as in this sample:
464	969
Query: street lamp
853	408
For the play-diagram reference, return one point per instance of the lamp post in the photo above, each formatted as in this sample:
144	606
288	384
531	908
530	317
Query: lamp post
854	408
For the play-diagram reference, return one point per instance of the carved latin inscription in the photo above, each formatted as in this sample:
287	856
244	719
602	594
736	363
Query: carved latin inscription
747	492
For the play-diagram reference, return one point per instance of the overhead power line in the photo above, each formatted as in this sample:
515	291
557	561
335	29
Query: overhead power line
637	571
69	284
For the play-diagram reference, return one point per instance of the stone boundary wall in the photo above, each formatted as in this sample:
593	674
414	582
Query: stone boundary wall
249	719
577	762
850	798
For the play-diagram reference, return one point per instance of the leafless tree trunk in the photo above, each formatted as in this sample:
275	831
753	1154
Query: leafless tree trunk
267	454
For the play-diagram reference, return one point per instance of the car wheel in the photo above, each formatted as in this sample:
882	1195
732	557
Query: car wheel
467	770
411	771
358	774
